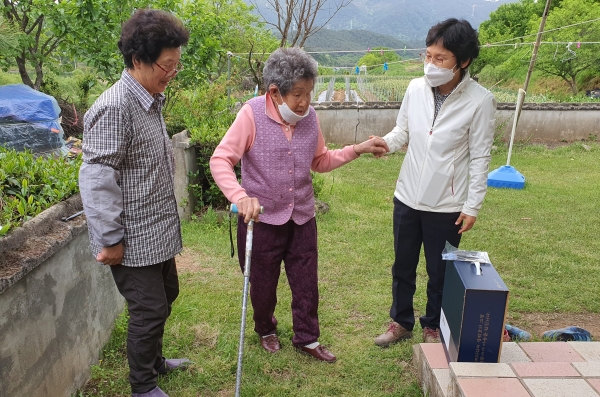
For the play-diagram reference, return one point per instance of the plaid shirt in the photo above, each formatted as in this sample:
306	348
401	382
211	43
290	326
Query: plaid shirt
126	180
440	99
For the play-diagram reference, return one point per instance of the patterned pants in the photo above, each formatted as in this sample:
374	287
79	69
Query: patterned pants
296	246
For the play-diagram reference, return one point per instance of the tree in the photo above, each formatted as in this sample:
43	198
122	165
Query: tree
295	19
216	29
241	31
377	57
75	28
9	37
42	29
94	30
511	20
569	61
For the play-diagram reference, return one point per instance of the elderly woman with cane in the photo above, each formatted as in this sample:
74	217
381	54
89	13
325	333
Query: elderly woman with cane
279	141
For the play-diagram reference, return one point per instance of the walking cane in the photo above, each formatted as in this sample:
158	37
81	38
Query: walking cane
249	234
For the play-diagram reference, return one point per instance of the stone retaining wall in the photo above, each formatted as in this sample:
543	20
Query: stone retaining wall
345	123
57	305
351	122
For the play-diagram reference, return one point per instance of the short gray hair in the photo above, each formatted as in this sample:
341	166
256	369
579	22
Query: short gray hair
286	66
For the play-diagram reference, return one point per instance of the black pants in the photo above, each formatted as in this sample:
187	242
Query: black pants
411	229
149	292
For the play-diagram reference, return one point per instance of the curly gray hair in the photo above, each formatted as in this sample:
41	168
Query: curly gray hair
286	66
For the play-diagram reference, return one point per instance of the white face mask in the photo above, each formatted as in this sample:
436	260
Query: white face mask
437	76
288	115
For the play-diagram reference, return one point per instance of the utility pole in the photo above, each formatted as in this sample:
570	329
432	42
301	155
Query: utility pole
229	55
523	92
537	44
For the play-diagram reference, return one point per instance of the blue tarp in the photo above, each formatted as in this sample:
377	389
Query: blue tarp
29	119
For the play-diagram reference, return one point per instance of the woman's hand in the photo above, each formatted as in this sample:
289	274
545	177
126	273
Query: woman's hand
111	255
249	208
467	222
375	145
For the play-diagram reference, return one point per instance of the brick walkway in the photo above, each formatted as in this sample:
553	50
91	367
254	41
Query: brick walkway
526	369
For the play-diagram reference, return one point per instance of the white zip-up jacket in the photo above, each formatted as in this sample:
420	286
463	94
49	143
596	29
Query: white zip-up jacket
446	165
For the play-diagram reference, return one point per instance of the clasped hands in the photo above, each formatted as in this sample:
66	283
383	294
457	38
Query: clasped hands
375	145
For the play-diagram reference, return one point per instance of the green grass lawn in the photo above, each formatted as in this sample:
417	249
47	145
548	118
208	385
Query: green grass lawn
543	240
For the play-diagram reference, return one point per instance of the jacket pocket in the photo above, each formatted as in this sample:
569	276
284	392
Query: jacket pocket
438	191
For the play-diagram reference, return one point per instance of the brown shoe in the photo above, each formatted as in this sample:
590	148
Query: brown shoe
431	335
270	343
394	334
319	352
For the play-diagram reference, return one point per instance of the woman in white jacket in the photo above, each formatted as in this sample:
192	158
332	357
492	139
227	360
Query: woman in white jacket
447	119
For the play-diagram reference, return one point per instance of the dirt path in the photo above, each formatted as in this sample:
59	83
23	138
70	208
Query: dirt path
190	262
538	323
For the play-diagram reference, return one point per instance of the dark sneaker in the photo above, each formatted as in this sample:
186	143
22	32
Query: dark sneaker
517	334
394	334
156	392
431	335
171	364
569	334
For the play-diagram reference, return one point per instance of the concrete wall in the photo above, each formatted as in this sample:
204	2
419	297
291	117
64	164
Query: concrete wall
57	306
186	164
344	123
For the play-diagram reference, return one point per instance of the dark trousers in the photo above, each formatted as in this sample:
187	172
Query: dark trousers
296	246
149	292
411	229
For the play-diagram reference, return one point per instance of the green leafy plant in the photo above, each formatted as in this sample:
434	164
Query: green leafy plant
207	115
29	185
318	182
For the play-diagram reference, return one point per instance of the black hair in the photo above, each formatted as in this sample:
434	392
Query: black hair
458	37
147	33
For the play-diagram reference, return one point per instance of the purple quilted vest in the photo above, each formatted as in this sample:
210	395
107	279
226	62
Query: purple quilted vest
277	171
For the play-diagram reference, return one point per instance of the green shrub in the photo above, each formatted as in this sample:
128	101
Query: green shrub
29	185
9	78
206	114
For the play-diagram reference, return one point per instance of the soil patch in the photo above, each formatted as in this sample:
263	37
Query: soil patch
538	323
189	262
339	96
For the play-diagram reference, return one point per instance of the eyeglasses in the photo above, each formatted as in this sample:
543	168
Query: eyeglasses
171	72
438	61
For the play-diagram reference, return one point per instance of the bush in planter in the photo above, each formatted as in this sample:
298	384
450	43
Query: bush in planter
207	115
29	185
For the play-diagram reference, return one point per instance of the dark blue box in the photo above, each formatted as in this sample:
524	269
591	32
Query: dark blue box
473	313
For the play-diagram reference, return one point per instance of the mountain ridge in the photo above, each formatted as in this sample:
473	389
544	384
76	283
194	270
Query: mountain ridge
405	20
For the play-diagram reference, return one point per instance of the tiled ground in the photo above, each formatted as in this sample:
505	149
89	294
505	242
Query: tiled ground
528	369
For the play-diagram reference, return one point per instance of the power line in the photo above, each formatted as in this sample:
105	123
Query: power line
349	51
545	31
423	48
543	42
502	43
